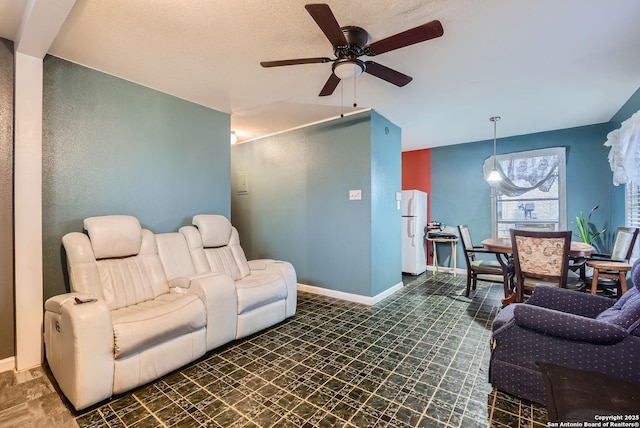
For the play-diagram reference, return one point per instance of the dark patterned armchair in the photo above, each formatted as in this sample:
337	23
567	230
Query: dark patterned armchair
566	328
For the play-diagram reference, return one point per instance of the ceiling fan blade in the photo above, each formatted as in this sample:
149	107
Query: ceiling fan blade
295	61
321	13
386	73
422	33
330	86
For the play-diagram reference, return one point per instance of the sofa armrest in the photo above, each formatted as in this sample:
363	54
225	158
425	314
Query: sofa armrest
185	281
79	347
287	271
569	301
260	264
56	303
218	293
567	326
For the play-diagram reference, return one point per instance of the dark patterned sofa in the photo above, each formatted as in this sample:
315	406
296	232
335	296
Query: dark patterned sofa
566	328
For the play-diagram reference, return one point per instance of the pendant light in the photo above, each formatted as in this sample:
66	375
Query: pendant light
494	175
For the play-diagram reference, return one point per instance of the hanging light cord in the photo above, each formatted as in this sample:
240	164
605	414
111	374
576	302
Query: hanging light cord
494	119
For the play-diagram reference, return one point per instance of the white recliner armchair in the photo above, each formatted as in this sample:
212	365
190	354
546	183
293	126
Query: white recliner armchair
266	288
122	325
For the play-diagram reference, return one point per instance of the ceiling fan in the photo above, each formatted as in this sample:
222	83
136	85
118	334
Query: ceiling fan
350	42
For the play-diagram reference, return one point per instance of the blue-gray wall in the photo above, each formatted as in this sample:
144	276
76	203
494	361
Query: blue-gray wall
298	209
460	195
113	147
6	196
386	226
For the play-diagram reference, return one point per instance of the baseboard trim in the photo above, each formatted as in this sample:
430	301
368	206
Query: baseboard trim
357	298
7	364
386	293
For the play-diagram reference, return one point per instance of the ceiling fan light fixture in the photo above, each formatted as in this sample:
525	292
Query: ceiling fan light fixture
351	42
348	68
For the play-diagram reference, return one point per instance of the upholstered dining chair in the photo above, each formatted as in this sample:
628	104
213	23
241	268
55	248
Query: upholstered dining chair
608	275
541	258
496	270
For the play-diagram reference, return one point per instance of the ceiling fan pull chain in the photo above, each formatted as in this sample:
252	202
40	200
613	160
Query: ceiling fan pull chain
355	93
341	98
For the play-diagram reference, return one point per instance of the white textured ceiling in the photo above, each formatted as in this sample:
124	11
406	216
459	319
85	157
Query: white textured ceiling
540	64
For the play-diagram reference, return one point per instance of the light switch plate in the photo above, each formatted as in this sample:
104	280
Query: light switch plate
355	195
243	184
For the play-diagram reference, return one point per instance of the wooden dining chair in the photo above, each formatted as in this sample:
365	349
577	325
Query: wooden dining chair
496	270
541	258
611	269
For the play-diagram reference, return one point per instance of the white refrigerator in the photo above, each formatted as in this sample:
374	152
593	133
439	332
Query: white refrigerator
414	222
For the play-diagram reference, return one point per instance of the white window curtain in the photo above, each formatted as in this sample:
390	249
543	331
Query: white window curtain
632	211
520	173
624	156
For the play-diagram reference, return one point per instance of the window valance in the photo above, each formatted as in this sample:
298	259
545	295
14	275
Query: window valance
624	156
525	171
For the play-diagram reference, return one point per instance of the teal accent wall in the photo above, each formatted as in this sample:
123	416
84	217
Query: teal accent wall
460	195
114	147
7	332
298	208
386	180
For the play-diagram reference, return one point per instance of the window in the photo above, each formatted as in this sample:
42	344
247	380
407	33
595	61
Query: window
632	211
533	196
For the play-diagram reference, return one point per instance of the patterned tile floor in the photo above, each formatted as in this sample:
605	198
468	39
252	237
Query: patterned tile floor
417	359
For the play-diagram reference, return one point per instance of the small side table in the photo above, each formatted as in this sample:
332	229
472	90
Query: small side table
609	270
434	245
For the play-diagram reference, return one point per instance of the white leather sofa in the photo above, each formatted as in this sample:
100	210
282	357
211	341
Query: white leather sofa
140	307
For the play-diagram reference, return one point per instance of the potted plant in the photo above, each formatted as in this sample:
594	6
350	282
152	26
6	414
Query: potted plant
588	231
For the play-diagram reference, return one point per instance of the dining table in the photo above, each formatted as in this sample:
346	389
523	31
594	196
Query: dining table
503	248
503	245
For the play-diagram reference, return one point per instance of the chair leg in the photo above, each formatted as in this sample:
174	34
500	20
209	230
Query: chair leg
506	286
594	281
520	291
469	275
622	283
508	300
509	295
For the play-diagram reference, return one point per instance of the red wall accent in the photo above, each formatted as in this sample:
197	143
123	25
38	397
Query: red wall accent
416	174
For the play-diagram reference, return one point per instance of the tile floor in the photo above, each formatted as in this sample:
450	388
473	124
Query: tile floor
28	399
417	359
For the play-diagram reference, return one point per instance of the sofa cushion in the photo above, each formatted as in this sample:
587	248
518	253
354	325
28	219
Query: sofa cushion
215	230
141	326
127	281
174	255
114	235
259	289
221	260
